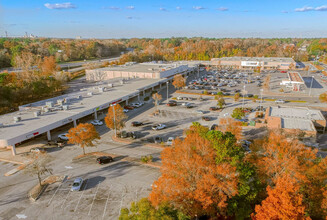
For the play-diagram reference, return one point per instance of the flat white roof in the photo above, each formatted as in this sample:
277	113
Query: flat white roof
30	125
294	123
296	113
262	59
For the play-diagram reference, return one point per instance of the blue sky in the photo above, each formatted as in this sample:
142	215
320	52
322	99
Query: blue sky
131	18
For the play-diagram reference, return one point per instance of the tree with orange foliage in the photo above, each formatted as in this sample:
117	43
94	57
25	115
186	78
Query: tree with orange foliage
48	66
83	135
192	181
283	202
116	118
179	81
156	97
232	126
323	97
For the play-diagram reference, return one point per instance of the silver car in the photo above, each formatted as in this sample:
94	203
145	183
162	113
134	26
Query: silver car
78	182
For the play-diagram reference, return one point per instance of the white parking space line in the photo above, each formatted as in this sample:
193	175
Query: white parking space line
80	196
62	206
94	198
121	202
105	207
54	194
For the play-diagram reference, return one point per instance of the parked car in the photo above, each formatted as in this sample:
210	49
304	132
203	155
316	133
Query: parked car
136	123
249	95
179	98
158	127
170	104
125	110
63	137
77	185
97	122
128	107
213	108
37	150
280	101
205	118
199	111
213	127
170	141
283	71
104	159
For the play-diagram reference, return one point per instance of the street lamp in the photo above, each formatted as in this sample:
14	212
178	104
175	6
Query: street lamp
243	96
261	90
113	109
167	89
311	85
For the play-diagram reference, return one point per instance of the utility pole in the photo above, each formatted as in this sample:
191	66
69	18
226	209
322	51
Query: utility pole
261	90
6	34
243	96
167	90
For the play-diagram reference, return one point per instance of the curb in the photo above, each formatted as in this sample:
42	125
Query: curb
11	161
130	142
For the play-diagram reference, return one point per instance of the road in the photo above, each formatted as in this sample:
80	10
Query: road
71	65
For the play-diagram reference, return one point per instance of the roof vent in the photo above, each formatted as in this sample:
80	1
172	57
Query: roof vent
65	107
60	101
37	113
101	89
49	104
90	93
17	119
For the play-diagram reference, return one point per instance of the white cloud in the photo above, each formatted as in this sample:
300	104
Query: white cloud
66	5
222	9
162	9
131	7
321	8
198	7
285	12
113	8
179	8
304	9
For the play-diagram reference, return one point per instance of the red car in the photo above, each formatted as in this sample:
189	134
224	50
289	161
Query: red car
171	104
128	107
283	71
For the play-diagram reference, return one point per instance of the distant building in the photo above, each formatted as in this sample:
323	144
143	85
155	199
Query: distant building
254	62
151	70
292	119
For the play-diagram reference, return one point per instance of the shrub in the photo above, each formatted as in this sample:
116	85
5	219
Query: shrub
146	159
146	98
205	92
238	113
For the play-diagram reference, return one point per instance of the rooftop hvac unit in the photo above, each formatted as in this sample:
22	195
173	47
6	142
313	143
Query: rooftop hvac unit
90	93
101	89
121	82
17	119
45	110
49	104
60	101
1	125
37	113
79	97
65	107
111	85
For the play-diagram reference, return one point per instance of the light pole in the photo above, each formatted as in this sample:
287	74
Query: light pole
243	96
311	85
261	90
167	89
113	110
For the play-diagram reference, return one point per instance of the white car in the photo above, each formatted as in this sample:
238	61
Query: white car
179	98
158	127
125	110
97	122
63	136
170	141
77	185
280	101
136	105
199	111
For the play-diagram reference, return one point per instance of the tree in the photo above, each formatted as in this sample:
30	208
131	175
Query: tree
219	95
48	66
232	126
221	102
255	98
83	135
156	97
266	82
39	166
237	97
116	118
283	202
143	209
179	81
323	97
192	180
238	113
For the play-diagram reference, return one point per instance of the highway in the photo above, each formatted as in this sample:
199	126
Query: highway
72	66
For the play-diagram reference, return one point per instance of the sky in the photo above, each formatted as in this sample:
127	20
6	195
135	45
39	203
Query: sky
164	18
